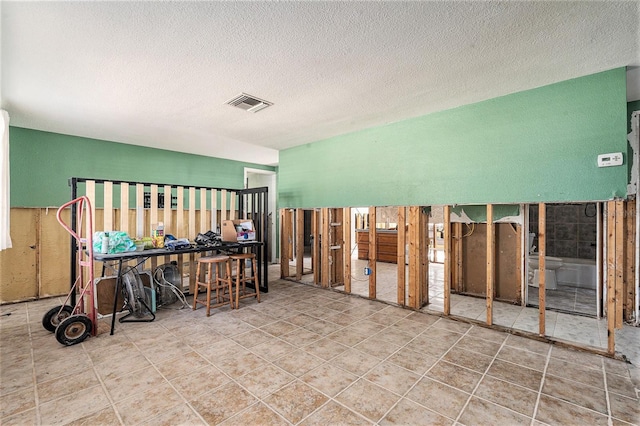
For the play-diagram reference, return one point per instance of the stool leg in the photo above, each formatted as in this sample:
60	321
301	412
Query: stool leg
195	292
256	283
238	280
209	280
228	282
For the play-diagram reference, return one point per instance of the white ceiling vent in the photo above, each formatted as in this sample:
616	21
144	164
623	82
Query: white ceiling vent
249	103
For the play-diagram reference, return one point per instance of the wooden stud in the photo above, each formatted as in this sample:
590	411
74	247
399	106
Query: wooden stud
203	210
284	262
192	213
232	207
542	251
325	245
108	206
491	276
519	264
214	210
447	260
346	243
124	207
299	243
139	210
223	205
180	228
619	250
153	218
167	210
402	243
316	258
424	258
629	259
611	276
373	250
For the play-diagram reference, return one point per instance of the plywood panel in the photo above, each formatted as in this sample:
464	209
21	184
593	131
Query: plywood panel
54	254
18	273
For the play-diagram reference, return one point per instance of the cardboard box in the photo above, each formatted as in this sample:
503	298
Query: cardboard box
238	230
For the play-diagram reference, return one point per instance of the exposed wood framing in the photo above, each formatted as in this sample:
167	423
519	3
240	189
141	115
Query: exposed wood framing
447	260
402	242
214	210
455	241
180	225
336	247
611	301
108	206
192	235
372	252
139	210
124	207
491	268
223	205
232	206
284	243
167	211
542	252
346	244
418	292
299	243
153	218
619	270
629	260
325	244
203	211
316	225
519	265
424	258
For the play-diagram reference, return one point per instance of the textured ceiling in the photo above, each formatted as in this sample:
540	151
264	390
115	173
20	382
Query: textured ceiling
158	73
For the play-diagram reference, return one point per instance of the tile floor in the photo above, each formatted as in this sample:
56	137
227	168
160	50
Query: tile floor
303	356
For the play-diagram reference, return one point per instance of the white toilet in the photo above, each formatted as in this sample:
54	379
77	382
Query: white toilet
550	266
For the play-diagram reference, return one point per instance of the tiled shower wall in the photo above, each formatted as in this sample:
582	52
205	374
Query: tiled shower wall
571	229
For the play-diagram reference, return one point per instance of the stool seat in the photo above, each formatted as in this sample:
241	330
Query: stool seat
220	281
241	278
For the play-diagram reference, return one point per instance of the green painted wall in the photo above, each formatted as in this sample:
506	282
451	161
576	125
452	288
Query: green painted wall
42	163
532	146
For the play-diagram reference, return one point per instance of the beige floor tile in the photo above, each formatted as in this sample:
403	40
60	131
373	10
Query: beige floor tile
341	318
452	325
453	375
106	416
322	327
478	345
329	379
522	357
377	347
181	365
576	393
220	350
265	380
15	379
203	380
438	397
24	418
325	348
151	403
393	378
479	411
355	361
333	413
577	357
487	334
221	404
257	414
241	364
531	345
252	338
516	374
273	350
349	337
367	399
625	409
300	337
73	406
16	402
407	412
417	362
279	328
62	366
471	360
74	382
571	371
621	385
509	395
121	366
181	414
295	401
298	362
554	411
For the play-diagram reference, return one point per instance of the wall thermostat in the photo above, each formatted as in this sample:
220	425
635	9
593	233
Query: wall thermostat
608	160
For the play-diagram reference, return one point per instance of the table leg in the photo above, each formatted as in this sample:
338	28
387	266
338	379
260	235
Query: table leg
115	296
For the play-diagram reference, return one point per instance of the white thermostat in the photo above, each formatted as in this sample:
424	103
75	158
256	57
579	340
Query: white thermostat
608	160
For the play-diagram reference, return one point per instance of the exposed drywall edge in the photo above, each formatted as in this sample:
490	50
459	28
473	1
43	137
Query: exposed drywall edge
634	145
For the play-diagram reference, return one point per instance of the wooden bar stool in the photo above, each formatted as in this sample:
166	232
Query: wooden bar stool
241	278
218	281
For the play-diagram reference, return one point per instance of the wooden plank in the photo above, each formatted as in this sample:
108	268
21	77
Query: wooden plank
180	228
325	244
317	261
424	258
299	243
373	241
346	244
629	260
413	256
232	207
90	192
153	218
619	249
491	276
139	210
223	205
447	260
611	276
203	210
284	262
402	242
519	263
214	210
167	210
542	250
192	214
108	206
124	207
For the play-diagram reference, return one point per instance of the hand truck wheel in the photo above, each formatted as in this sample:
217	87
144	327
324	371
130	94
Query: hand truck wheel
74	329
55	316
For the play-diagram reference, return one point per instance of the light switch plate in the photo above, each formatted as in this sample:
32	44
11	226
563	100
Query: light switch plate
608	160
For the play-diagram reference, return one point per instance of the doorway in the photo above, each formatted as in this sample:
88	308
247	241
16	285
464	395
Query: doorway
257	178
